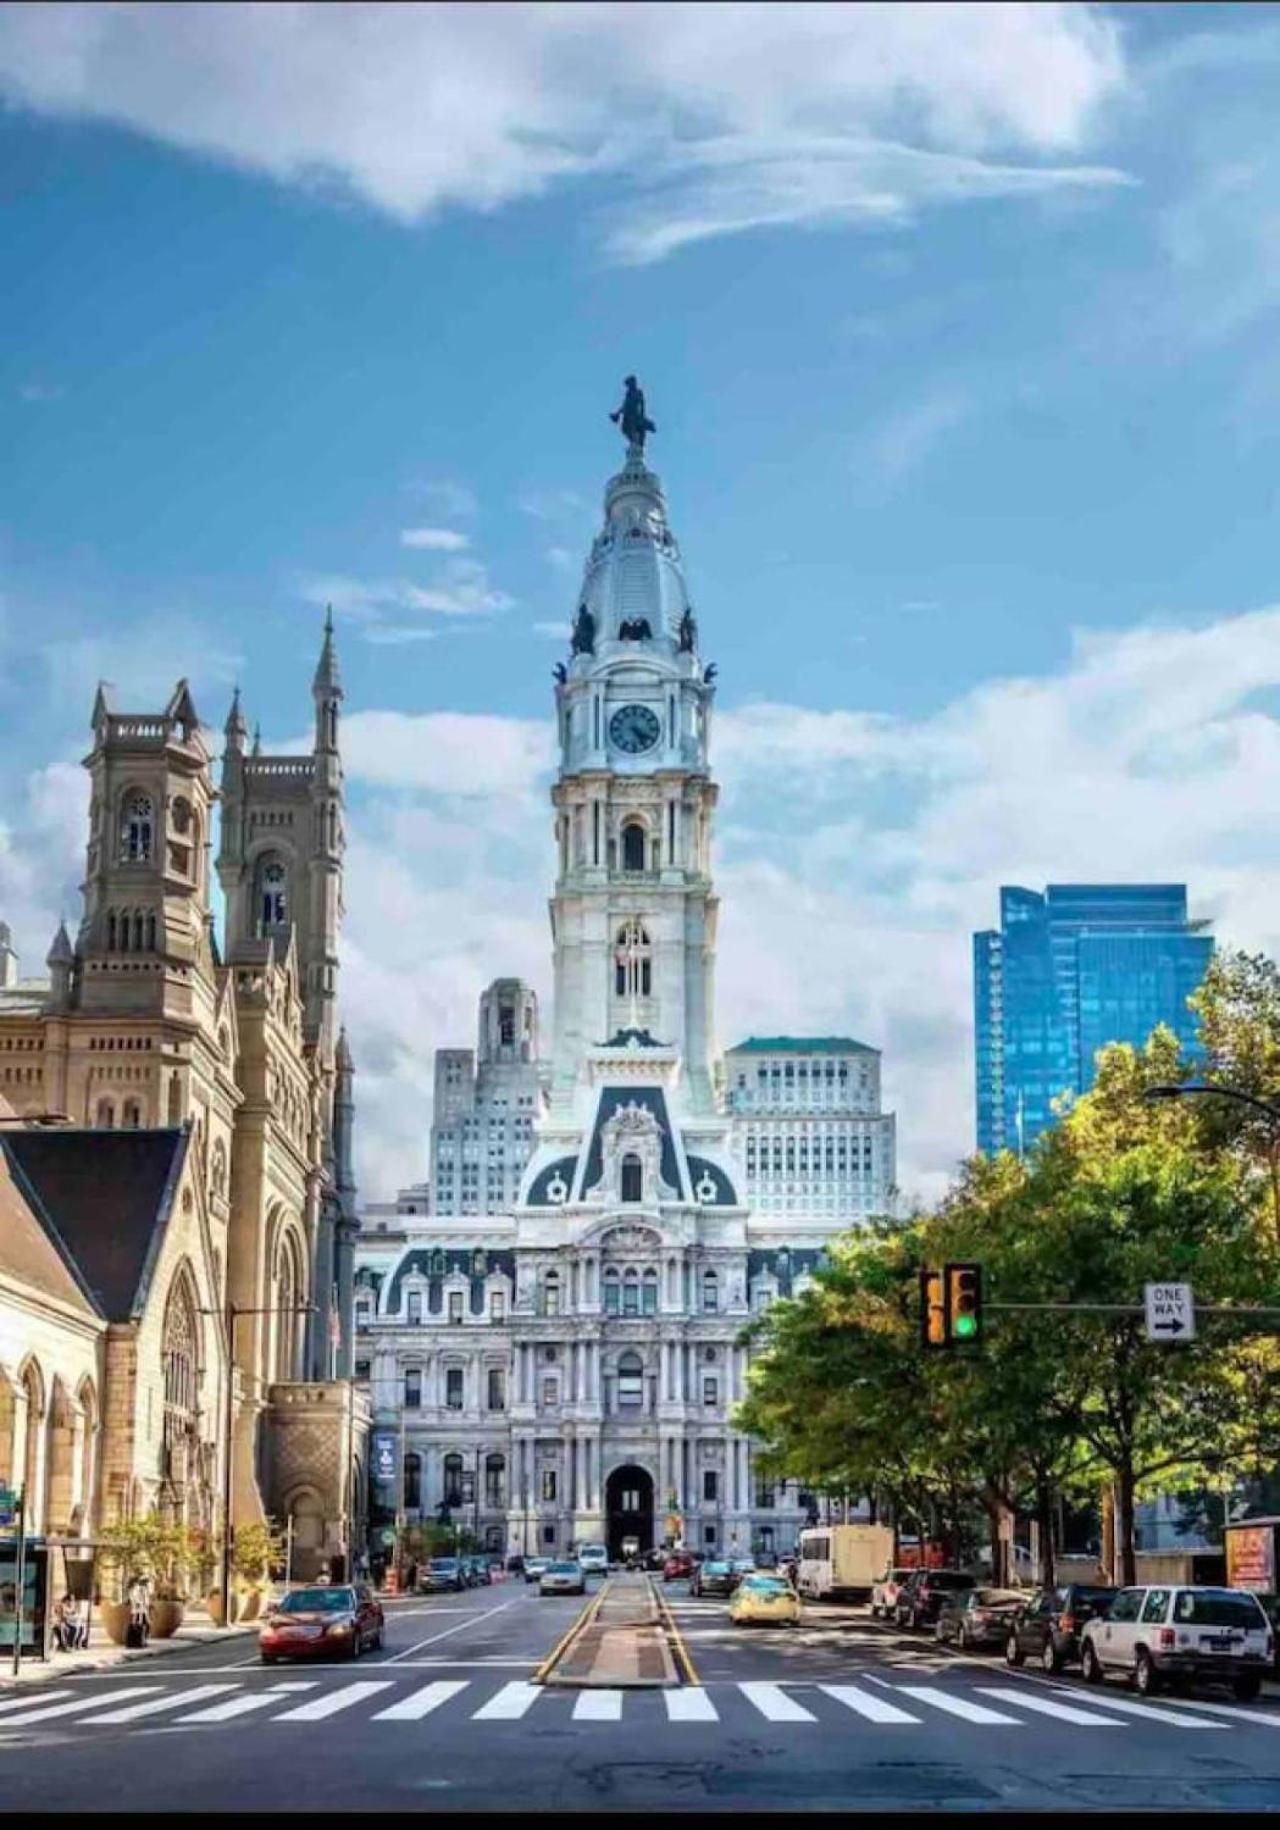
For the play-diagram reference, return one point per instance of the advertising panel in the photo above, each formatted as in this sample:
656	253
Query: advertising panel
1251	1558
385	1458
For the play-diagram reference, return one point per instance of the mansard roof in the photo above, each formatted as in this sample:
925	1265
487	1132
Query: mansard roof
104	1197
801	1045
655	1100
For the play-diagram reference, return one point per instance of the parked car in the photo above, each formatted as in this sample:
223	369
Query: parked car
1049	1628
764	1600
740	1567
533	1567
594	1559
921	1596
442	1573
563	1579
884	1594
678	1564
481	1572
1161	1634
340	1619
978	1619
712	1579
515	1566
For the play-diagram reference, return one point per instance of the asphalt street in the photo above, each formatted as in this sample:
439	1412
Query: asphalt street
838	1713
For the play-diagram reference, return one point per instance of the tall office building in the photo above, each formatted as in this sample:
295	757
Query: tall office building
808	1126
1067	972
485	1106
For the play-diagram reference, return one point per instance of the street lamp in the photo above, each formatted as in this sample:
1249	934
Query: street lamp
1205	1089
232	1314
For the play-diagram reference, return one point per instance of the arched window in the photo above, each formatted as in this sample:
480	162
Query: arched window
288	1301
495	1471
139	931
272	896
630	1382
106	1118
632	1179
453	1480
612	1291
137	829
649	1302
551	1293
633	961
710	1293
131	1118
633	846
631	1292
180	1354
413	1481
151	933
111	932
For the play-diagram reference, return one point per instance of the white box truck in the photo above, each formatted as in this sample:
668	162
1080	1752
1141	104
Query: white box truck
841	1562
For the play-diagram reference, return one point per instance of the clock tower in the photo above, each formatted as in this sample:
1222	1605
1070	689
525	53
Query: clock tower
634	915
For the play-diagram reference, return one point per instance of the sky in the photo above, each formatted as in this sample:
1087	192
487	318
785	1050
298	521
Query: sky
958	324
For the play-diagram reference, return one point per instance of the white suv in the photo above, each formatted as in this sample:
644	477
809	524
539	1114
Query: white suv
593	1559
1153	1634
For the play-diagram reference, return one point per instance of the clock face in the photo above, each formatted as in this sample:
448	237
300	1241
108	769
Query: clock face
634	728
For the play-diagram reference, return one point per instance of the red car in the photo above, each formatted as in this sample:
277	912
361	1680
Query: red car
345	1620
679	1563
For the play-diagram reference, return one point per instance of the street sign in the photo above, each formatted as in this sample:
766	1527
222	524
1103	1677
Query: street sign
1171	1313
389	1536
8	1505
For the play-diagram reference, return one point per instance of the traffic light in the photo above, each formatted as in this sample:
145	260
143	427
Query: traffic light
964	1302
933	1310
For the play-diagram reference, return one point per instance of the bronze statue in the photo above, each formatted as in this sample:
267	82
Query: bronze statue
631	417
583	640
688	633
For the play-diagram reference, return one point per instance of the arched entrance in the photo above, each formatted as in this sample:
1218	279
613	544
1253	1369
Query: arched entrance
628	1503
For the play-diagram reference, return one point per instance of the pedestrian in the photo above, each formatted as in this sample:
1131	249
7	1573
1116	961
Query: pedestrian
69	1631
139	1599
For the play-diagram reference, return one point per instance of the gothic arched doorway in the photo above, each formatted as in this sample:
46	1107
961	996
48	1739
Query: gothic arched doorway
628	1503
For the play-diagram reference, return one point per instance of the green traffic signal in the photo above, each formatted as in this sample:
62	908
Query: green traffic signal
964	1327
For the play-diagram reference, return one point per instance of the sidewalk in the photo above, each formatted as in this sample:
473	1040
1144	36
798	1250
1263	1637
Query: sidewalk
102	1654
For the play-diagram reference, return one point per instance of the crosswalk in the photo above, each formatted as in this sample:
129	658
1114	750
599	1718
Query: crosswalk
878	1702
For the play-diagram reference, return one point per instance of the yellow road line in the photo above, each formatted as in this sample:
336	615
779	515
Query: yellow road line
677	1637
578	1626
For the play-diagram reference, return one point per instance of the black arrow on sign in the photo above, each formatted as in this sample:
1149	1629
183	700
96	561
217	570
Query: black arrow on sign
1172	1326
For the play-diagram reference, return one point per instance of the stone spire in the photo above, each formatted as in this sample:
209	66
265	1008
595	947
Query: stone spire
60	961
327	678
235	730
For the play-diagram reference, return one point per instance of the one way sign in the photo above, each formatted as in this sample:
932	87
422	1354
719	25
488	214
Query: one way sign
1171	1313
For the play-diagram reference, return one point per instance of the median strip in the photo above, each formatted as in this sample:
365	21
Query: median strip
543	1674
618	1643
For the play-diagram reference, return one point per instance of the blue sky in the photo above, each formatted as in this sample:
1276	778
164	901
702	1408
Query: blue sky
958	325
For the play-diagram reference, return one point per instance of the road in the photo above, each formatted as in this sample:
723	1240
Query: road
840	1713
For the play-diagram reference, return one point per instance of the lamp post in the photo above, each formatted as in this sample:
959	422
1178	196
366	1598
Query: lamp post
1204	1089
232	1314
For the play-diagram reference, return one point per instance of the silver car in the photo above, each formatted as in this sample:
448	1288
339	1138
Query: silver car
562	1579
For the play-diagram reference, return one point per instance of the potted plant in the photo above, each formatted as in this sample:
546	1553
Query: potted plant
171	1554
254	1549
126	1551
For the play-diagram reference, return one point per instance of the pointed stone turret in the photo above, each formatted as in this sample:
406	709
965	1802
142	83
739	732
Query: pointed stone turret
61	962
235	729
257	740
327	678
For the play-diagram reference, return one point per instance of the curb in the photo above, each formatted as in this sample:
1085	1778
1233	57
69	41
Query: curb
44	1671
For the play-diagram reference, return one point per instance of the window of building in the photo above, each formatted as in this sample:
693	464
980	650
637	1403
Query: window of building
631	1293
362	1369
497	1389
495	1470
453	1480
649	1293
632	1179
764	1497
612	1292
550	1393
633	961
633	846
548	1483
364	1313
272	902
630	1382
413	1481
710	1391
551	1293
413	1307
497	1306
137	830
455	1305
710	1484
453	1388
710	1293
413	1389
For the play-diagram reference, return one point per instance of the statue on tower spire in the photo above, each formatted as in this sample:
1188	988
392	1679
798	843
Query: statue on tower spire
631	418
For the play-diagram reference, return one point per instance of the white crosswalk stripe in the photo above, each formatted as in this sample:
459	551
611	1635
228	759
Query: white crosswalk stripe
237	1706
1024	1698
336	1701
81	1707
155	1705
32	1696
865	1703
598	1706
422	1702
959	1706
774	1704
511	1702
1148	1712
689	1706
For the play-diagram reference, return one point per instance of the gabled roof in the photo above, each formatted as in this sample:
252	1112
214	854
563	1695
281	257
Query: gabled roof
30	1253
105	1197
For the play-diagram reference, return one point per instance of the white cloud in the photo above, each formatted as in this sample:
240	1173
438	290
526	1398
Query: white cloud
712	118
461	588
910	435
445	495
561	558
558	631
434	539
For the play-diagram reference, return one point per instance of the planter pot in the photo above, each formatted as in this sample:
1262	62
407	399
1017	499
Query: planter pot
213	1602
250	1604
114	1616
166	1618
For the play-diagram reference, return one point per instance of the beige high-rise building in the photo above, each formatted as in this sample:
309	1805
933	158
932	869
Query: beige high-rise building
146	1025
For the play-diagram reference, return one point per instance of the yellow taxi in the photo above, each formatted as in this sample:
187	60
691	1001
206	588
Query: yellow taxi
763	1599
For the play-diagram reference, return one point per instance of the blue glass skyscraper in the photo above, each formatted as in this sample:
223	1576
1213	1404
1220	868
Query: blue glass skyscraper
1066	972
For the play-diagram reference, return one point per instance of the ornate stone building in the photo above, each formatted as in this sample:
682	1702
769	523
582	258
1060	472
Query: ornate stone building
564	1370
233	1054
